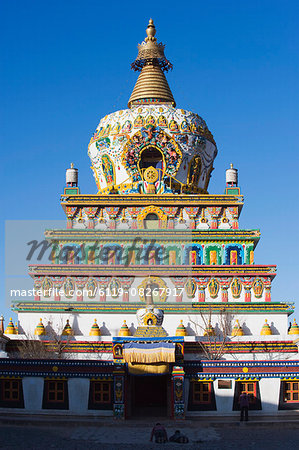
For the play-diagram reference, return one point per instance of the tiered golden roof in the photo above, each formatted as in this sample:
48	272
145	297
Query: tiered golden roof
151	85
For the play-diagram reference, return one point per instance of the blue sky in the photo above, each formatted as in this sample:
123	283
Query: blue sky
65	64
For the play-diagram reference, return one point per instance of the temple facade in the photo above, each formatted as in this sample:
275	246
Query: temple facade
152	303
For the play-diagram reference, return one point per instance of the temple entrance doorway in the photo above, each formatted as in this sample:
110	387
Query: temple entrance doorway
149	395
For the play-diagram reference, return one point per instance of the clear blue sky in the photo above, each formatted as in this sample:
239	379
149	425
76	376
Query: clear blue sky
65	64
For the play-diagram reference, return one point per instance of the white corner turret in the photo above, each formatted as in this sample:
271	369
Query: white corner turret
71	176
231	177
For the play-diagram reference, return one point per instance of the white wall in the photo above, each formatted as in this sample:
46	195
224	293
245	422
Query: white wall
110	323
33	393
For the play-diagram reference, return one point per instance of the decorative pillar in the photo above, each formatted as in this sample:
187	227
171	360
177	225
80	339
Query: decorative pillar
134	211
37	287
119	392
214	223
267	285
224	283
125	295
112	212
247	283
179	283
126	283
57	283
103	285
214	212
201	294
80	283
224	294
192	212
70	214
235	215
170	212
178	392
91	213
247	294
171	223
202	283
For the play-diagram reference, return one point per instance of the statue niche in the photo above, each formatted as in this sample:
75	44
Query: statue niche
151	157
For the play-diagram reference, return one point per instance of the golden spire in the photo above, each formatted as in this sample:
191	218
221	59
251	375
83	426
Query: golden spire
151	85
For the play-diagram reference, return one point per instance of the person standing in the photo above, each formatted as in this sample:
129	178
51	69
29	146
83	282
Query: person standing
244	405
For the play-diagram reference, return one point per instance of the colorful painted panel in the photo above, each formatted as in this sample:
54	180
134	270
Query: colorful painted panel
237	257
193	254
69	288
47	286
190	288
213	254
154	137
108	170
194	170
258	287
236	288
213	288
91	287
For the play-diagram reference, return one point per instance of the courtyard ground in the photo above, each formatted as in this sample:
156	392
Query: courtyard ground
204	435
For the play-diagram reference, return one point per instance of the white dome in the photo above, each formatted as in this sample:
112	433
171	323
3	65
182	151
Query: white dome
182	138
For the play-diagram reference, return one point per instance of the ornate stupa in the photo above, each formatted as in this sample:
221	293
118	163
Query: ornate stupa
152	133
154	250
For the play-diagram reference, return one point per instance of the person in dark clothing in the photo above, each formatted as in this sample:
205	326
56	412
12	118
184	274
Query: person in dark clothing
159	433
179	437
244	405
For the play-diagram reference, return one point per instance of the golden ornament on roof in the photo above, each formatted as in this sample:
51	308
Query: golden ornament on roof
67	331
294	330
40	329
10	329
181	330
124	331
266	330
237	330
95	330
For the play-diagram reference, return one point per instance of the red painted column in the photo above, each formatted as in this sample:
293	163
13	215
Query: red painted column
247	295
224	295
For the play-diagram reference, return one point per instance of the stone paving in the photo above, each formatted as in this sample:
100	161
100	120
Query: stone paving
230	436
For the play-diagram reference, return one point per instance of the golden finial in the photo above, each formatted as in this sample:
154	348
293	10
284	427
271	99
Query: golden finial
72	165
231	165
150	31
